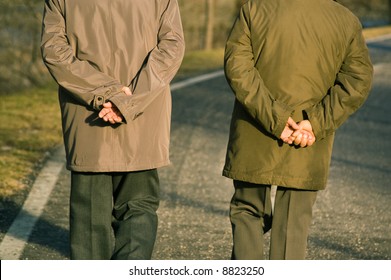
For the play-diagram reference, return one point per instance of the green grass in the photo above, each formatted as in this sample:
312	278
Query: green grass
201	61
377	31
30	125
29	128
30	121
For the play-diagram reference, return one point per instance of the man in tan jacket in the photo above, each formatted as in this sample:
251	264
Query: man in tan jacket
113	61
298	69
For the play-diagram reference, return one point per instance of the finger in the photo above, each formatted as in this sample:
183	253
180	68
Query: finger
296	133
304	141
108	105
108	116
311	142
116	116
103	112
127	90
286	133
293	124
118	119
291	139
298	138
286	140
309	135
113	118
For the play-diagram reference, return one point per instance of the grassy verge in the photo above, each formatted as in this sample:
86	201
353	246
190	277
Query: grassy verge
30	125
376	31
30	122
29	128
201	61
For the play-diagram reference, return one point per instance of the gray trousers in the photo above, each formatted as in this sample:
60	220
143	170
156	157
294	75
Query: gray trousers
113	215
251	216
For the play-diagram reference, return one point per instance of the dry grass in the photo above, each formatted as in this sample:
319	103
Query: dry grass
376	31
29	128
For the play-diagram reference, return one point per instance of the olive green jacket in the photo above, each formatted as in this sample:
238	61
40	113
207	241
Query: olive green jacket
301	58
94	48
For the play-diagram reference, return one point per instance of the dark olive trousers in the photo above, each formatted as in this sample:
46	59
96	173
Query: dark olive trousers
251	216
113	215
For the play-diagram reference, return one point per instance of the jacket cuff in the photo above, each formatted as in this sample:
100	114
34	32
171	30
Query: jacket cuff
101	98
98	101
316	126
128	106
282	113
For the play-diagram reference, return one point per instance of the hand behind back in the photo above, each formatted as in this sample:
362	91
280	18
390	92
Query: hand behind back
110	112
299	134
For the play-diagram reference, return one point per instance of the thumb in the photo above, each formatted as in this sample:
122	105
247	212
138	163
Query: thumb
107	105
292	124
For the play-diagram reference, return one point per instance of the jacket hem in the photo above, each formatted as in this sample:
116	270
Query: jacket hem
126	168
288	182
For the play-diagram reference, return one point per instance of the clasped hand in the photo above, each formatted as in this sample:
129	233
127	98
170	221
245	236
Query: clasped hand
299	134
110	112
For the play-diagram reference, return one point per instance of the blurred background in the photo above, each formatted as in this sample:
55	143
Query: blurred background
26	89
206	24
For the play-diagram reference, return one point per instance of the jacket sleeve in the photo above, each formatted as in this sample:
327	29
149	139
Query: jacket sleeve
160	66
85	83
350	90
246	82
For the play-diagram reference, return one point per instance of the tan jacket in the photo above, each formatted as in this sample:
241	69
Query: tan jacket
299	58
94	48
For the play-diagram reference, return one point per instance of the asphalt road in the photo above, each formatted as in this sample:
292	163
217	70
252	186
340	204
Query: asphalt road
352	216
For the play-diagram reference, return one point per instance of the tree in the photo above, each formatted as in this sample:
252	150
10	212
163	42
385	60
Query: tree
389	11
209	23
20	63
206	24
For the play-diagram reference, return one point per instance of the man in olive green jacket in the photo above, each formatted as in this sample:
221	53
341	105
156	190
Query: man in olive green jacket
298	69
113	61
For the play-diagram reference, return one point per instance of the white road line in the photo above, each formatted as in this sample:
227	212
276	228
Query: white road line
13	243
195	80
379	38
15	240
18	234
